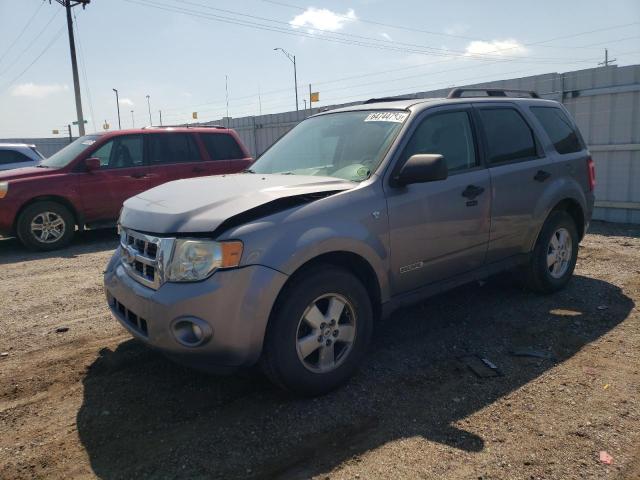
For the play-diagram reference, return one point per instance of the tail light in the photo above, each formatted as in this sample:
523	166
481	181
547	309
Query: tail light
592	173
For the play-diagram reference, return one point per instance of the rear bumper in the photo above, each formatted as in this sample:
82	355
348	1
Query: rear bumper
235	305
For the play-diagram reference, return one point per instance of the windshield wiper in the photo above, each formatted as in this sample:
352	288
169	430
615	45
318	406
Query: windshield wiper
41	166
248	170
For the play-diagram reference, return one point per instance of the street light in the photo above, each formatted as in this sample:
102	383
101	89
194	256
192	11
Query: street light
118	105
149	105
292	58
133	123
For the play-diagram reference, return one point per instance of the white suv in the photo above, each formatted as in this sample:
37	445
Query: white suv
18	155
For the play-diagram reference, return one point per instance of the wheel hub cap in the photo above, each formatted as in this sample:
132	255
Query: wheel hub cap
47	227
559	253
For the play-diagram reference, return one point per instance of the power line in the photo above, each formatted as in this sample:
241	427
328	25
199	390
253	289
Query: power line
24	29
53	40
33	41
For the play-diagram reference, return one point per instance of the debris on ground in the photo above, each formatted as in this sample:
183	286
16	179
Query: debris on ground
62	329
606	458
529	352
482	367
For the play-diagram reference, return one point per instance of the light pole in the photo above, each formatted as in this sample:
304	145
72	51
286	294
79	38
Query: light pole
149	105
133	123
292	58
118	105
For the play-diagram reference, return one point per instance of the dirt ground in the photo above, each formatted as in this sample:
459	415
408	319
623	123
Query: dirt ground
89	402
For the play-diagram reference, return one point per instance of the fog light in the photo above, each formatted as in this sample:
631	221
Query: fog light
191	331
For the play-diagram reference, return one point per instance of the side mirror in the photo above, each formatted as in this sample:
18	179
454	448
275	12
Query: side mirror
92	164
422	168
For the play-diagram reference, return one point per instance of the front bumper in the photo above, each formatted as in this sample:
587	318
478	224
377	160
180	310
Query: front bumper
235	304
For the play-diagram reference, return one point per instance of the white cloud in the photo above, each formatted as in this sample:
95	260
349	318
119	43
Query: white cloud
456	29
323	19
386	36
34	90
498	48
126	101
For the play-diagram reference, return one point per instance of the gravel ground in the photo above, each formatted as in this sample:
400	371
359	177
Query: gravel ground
80	399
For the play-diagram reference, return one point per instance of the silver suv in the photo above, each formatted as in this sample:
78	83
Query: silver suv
352	214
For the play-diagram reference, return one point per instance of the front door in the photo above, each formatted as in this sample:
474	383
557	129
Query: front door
440	229
122	174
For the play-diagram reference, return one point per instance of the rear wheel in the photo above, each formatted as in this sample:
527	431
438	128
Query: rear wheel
319	332
45	226
555	254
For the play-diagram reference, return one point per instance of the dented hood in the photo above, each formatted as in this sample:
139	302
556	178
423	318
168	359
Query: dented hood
202	204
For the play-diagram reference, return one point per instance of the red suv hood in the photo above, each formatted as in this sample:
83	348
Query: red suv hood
25	172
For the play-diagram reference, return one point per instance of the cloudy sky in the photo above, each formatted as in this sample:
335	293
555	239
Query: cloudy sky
179	51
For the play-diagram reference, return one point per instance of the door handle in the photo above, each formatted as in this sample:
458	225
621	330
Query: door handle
198	170
138	175
541	176
472	191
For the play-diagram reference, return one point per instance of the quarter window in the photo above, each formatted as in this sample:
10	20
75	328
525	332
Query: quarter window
172	148
559	128
121	152
448	134
221	146
509	138
11	156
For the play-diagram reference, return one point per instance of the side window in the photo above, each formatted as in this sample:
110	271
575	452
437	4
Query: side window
121	152
11	156
221	146
172	148
448	134
558	126
508	136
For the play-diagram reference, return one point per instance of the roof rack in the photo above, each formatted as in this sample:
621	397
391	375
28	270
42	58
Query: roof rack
490	92
148	127
386	99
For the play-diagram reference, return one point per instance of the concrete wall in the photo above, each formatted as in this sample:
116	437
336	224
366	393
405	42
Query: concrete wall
604	101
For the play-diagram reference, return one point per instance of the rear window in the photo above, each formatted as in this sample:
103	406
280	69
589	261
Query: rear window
221	146
508	136
555	122
11	156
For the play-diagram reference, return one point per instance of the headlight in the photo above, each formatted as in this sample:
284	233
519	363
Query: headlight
195	260
4	188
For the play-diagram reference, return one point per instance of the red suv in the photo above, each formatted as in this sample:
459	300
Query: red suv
85	183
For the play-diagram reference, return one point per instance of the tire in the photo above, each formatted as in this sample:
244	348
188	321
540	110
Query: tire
303	353
60	229
539	275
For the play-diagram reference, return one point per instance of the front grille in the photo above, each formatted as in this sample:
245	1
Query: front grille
143	256
135	321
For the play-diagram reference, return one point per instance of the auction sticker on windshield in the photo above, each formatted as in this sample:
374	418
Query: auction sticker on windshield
397	117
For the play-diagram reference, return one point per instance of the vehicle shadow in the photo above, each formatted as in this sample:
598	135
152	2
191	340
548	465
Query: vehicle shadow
144	416
89	241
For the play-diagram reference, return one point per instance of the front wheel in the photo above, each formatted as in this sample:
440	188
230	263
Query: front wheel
319	331
45	226
555	254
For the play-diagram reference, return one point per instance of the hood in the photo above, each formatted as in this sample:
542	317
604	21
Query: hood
204	204
25	172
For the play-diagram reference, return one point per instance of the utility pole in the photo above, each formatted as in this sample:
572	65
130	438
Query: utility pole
149	105
68	4
70	136
292	59
118	107
226	89
133	123
606	59
160	112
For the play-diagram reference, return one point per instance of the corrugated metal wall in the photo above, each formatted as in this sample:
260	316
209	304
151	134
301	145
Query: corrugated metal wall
604	101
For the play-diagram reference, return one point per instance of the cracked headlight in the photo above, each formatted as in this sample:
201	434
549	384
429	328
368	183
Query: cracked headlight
195	260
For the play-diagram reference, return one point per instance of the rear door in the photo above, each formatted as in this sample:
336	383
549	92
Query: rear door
122	174
440	229
224	153
519	173
173	156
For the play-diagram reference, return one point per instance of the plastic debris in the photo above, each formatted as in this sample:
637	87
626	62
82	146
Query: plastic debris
606	458
4	354
605	387
62	329
482	367
602	307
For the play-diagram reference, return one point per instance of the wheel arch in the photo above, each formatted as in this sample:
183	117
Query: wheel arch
79	221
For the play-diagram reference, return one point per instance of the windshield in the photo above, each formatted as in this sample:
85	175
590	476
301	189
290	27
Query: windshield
347	145
63	157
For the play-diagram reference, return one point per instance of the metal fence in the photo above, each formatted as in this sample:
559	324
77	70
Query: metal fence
604	101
